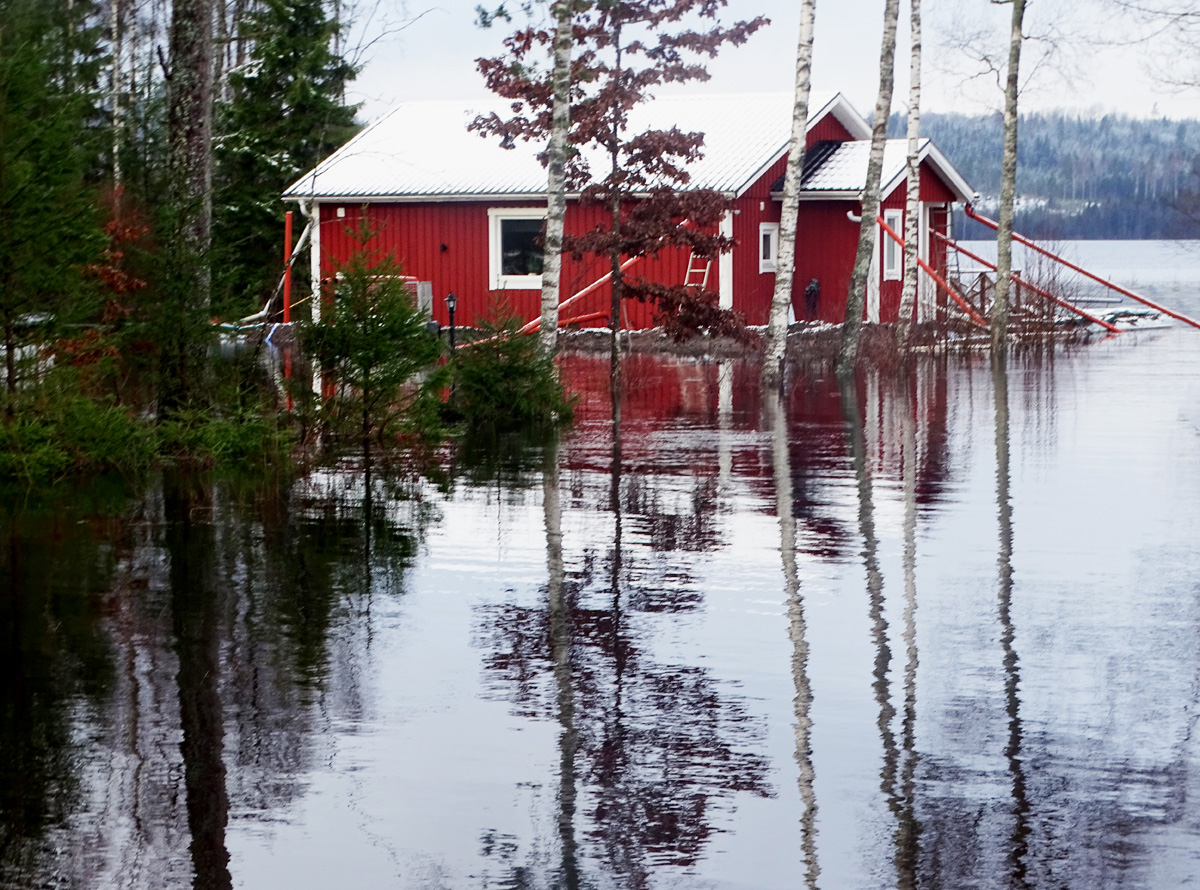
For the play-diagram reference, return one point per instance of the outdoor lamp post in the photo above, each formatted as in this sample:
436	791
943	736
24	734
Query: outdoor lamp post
451	303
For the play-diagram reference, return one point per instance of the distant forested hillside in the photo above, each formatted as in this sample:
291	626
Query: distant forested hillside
1080	177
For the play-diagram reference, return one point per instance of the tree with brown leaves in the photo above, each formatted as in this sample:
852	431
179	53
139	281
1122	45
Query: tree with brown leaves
623	52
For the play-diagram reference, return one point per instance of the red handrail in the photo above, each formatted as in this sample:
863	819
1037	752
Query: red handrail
966	307
536	324
991	223
1033	287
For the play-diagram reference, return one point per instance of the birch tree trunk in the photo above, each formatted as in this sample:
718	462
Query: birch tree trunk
117	83
912	206
1008	183
856	298
614	256
556	190
785	258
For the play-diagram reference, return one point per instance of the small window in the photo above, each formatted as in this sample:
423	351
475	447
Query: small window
516	248
768	246
893	252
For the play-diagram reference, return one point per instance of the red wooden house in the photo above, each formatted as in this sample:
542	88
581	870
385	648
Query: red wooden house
463	213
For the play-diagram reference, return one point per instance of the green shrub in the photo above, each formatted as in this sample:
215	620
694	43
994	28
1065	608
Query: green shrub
240	439
504	383
72	434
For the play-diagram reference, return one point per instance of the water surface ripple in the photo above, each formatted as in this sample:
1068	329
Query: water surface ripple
931	629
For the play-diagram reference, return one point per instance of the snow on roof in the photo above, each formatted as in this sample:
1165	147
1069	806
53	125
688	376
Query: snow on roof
845	168
424	148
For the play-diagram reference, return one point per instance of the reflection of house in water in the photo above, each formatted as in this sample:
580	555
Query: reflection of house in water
671	410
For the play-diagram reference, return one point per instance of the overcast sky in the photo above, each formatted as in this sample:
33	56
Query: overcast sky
432	56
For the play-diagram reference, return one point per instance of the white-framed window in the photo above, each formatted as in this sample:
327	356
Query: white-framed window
768	246
514	247
893	252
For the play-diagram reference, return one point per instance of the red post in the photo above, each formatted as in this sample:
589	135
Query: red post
928	269
287	267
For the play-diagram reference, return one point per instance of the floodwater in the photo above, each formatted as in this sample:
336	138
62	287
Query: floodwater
938	630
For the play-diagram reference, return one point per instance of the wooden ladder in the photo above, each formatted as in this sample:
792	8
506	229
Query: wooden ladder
697	272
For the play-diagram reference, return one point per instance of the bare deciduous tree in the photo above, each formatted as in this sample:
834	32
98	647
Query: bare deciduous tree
556	161
912	207
856	298
1008	180
785	261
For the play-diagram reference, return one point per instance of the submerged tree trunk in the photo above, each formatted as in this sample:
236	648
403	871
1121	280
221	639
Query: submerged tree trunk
1008	182
556	190
560	646
614	256
785	257
912	206
195	614
856	298
776	411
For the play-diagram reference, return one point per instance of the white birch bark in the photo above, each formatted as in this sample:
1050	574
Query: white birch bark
912	206
1008	183
117	82
776	412
556	190
856	297
785	258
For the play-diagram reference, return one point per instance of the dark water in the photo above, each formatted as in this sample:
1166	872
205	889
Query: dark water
973	662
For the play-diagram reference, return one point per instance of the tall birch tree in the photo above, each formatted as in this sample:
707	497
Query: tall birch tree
856	298
556	162
785	261
912	205
625	51
1008	182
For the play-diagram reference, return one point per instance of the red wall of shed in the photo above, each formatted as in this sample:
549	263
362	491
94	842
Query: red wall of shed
447	244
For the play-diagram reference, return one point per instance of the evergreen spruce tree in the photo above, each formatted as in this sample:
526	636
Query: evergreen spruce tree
286	113
49	221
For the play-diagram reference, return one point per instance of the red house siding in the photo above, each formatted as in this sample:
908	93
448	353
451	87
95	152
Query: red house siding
826	241
933	190
447	244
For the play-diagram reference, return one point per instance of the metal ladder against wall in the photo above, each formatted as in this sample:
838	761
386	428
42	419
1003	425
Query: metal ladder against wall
697	272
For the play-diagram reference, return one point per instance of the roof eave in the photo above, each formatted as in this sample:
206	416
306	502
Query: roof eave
824	195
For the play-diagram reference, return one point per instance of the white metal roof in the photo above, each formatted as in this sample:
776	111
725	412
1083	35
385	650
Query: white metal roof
423	149
845	170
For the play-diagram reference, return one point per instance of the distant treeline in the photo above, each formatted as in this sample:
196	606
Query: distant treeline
1079	177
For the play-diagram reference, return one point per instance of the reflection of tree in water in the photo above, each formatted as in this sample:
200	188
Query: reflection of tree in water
656	749
307	568
195	639
56	664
